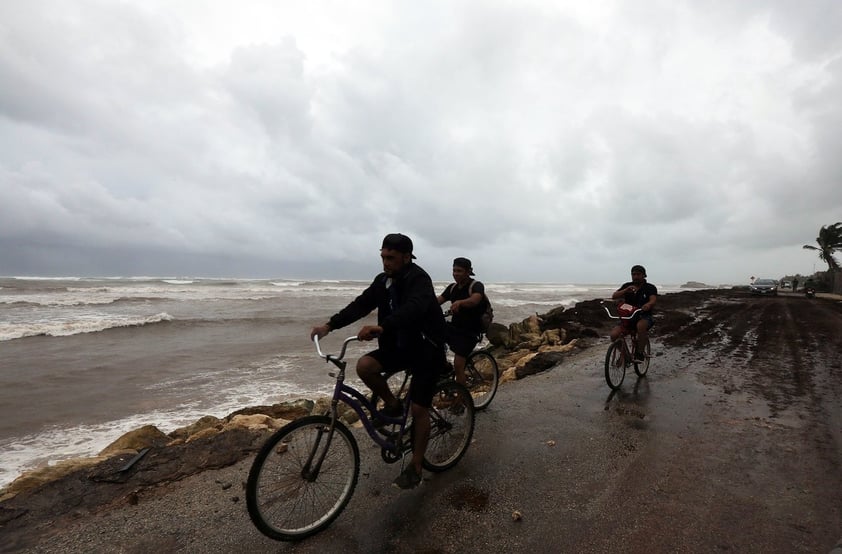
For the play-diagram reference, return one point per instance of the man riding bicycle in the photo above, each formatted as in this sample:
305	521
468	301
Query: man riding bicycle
410	332
466	297
640	294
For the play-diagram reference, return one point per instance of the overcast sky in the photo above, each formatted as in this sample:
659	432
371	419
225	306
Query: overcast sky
547	141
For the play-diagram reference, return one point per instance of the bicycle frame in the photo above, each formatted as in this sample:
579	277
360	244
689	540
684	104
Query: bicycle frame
629	345
357	401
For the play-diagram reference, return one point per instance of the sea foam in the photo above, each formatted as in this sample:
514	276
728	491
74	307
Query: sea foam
82	324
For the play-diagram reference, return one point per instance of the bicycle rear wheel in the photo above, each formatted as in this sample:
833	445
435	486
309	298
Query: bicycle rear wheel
451	426
481	378
615	364
642	367
285	501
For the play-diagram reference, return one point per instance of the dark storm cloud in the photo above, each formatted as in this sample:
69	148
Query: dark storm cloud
547	141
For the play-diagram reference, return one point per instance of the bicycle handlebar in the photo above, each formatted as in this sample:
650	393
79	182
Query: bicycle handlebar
631	315
329	357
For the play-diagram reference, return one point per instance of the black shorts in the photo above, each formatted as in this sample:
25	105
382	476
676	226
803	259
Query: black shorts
642	315
461	342
425	365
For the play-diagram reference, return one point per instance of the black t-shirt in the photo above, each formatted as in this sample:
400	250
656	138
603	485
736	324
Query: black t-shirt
468	319
642	295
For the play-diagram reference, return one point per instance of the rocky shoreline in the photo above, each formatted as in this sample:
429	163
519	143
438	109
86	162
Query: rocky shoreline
147	457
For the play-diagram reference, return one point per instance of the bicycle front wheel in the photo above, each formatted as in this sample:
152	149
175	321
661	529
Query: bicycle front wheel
481	378
451	426
615	364
287	498
642	367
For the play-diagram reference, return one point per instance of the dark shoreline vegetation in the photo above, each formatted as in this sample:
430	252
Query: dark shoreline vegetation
534	345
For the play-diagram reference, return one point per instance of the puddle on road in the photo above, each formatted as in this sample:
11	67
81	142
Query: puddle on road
466	497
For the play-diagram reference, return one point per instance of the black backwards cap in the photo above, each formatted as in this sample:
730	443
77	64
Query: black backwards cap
399	242
639	268
464	263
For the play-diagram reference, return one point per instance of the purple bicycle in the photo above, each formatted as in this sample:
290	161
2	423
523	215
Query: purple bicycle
305	473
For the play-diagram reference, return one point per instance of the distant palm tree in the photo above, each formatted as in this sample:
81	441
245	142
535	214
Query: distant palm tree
829	241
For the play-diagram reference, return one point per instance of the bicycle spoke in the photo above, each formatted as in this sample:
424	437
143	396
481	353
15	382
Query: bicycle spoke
451	426
285	502
481	378
615	364
642	367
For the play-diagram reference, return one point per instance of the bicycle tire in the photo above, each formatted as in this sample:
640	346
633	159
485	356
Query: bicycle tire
615	365
482	378
451	426
282	503
642	367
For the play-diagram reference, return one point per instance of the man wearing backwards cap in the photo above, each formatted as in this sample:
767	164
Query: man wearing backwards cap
466	304
410	334
640	294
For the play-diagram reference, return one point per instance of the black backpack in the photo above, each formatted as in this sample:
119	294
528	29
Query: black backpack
487	314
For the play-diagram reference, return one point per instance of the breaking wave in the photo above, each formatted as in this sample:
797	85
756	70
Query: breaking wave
64	328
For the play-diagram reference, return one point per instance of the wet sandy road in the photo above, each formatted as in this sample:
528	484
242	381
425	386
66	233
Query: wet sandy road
732	443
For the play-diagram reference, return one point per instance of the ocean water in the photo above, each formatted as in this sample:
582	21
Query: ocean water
84	360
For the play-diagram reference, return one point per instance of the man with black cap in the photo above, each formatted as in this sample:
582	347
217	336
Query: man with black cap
641	294
467	303
410	332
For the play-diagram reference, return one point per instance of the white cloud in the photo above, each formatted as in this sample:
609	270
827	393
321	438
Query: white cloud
547	141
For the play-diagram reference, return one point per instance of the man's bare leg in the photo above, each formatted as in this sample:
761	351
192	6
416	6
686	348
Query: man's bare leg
371	372
642	335
459	368
421	435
